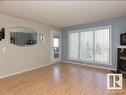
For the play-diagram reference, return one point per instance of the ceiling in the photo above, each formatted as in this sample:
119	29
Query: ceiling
64	13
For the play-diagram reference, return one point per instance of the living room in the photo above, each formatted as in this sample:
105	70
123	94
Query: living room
62	47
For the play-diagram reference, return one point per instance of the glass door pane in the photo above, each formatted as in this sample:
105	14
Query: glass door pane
86	46
102	45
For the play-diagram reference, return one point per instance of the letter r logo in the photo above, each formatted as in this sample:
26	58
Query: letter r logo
114	81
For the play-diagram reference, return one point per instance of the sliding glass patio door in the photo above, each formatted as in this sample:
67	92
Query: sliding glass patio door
90	45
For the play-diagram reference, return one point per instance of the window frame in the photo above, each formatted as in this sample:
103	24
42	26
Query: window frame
91	29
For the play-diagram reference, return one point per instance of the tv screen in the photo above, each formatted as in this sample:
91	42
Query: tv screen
22	39
123	39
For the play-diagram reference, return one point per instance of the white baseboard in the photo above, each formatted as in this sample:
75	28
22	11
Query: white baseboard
77	63
9	75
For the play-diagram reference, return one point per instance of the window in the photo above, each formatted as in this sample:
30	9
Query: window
102	45
74	46
86	45
56	47
55	42
90	45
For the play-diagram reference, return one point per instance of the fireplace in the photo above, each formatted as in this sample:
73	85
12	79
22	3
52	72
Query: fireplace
121	63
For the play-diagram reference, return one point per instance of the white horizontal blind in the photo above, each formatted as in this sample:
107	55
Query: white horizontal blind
90	45
55	42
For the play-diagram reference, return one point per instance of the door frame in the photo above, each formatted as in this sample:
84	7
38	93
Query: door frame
52	35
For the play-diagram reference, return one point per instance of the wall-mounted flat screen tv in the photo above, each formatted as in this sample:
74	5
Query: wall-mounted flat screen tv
123	39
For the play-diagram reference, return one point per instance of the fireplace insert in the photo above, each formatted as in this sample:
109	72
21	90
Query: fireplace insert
121	64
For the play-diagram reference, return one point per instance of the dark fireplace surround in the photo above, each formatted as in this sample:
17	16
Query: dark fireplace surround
121	60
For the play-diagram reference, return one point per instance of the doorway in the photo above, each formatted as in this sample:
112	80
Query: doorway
56	47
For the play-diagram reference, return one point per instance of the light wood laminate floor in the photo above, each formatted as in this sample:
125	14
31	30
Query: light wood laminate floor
59	79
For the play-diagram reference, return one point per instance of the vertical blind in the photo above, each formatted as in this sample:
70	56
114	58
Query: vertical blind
90	45
74	45
86	45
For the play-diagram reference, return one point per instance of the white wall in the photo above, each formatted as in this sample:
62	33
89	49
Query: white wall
14	58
